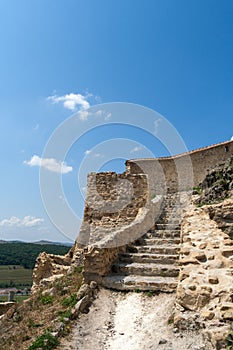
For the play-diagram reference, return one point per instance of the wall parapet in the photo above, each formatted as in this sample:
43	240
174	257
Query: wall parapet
183	171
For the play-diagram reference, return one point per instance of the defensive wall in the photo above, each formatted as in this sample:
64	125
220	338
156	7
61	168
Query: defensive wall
181	172
120	208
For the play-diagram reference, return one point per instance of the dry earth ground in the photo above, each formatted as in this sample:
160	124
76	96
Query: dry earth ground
132	321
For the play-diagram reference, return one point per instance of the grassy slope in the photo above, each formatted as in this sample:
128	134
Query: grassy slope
40	314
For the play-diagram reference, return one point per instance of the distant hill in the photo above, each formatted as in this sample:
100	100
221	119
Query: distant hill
68	244
42	242
25	254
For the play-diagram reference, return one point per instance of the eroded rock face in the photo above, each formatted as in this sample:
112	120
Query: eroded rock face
222	214
205	288
218	184
49	266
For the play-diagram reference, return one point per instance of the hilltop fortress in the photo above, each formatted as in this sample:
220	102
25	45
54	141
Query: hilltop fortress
163	226
149	229
120	208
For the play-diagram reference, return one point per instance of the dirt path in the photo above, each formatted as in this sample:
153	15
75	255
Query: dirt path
132	321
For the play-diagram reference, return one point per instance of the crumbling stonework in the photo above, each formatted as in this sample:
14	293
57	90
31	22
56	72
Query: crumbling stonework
121	208
205	288
98	262
125	211
49	266
113	201
218	183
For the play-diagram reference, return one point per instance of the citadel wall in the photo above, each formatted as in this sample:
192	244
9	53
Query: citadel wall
120	208
181	172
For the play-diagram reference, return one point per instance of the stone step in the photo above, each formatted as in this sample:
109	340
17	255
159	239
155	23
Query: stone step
149	258
132	282
145	269
167	226
163	249
163	234
160	241
171	207
168	222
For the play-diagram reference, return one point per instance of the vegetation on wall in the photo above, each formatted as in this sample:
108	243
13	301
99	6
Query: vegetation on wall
217	185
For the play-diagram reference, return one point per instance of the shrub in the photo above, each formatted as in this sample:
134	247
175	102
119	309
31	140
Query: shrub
230	341
70	301
46	299
45	342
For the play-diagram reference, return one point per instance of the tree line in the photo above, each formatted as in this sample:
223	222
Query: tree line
25	254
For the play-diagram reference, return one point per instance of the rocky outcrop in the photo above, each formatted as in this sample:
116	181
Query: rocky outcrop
49	266
4	307
205	288
218	184
222	214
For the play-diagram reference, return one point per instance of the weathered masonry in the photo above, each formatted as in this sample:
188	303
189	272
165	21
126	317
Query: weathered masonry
183	171
121	209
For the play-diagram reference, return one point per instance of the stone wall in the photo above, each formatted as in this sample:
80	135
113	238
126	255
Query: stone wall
205	289
181	172
113	202
49	267
98	262
118	210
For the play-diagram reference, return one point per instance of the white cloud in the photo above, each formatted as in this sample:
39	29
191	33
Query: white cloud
27	221
83	114
136	149
71	101
232	138
50	164
87	152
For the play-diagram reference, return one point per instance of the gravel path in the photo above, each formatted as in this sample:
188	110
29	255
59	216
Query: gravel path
132	321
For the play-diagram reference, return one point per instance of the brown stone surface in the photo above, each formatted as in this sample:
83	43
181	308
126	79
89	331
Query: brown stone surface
206	280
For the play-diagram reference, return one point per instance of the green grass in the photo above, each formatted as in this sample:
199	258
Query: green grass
15	276
46	299
150	293
70	301
197	189
46	341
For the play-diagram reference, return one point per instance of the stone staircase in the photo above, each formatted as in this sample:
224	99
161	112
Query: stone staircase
151	263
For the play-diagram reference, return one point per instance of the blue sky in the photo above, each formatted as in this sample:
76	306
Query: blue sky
61	57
